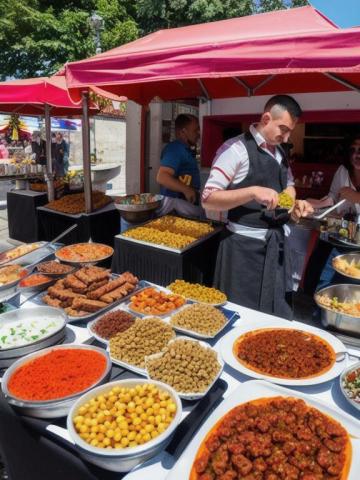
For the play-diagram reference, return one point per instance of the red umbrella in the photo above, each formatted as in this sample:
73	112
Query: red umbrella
48	96
288	51
29	97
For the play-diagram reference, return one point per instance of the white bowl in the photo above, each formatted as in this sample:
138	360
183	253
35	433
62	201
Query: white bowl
122	460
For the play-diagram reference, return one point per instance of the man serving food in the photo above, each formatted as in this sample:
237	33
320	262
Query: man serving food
248	174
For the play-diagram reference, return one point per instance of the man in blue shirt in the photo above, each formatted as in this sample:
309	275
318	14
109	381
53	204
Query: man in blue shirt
179	174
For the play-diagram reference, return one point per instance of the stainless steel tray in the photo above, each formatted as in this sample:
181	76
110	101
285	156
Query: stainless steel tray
137	207
21	257
51	408
82	262
54	340
38	300
348	257
26	314
338	320
216	230
9	285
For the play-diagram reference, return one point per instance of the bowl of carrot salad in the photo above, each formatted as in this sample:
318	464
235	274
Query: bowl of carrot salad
45	384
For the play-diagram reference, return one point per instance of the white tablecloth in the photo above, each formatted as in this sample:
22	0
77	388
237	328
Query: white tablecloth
158	467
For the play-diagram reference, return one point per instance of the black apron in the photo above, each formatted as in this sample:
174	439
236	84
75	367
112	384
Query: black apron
256	273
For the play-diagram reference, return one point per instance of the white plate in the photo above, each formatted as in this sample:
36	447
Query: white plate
192	333
128	366
259	389
190	396
226	348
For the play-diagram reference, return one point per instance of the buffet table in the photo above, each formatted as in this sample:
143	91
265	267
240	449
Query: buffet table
163	266
22	214
16	442
101	226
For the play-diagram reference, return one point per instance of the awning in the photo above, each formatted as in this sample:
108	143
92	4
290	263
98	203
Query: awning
288	51
29	96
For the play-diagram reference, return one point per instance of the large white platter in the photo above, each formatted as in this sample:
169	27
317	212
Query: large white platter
259	389
226	348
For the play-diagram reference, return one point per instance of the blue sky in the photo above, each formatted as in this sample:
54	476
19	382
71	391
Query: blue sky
345	13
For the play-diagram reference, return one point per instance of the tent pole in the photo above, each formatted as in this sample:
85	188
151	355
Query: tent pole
49	171
342	81
86	152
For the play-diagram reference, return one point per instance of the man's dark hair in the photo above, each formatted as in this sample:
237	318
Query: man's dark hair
183	120
348	142
283	103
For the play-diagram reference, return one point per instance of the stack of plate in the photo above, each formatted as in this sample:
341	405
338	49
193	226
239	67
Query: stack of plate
29	330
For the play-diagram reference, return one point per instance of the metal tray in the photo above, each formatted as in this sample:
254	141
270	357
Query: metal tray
217	229
138	207
14	260
56	339
55	275
230	315
15	282
338	320
36	288
25	314
51	408
83	262
38	300
348	257
343	241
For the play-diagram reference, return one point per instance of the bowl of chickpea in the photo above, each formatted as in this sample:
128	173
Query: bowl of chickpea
123	423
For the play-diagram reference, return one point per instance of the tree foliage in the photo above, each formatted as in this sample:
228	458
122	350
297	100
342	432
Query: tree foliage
38	36
155	15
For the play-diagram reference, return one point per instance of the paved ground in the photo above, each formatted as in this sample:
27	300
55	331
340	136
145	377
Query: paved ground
4	230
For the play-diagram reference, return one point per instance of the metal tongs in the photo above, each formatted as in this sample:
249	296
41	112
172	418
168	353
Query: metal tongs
328	210
65	232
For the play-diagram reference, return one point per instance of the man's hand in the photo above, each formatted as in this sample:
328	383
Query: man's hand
349	194
266	196
190	194
302	208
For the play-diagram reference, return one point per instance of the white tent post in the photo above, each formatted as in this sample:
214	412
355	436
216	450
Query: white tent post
86	152
49	171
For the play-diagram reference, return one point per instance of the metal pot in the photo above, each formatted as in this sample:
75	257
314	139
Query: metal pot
338	320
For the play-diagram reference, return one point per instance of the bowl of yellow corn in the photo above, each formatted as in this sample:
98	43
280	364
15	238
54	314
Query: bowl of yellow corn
123	423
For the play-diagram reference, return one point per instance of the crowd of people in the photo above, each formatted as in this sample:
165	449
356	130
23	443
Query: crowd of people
35	148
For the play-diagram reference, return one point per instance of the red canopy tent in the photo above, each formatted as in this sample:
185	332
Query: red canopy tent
29	97
48	96
288	51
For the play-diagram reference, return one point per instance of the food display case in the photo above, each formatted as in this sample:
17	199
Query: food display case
162	264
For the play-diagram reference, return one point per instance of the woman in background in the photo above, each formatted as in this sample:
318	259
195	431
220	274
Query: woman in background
346	182
345	185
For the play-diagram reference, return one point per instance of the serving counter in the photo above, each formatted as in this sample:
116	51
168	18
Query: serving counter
44	450
163	265
101	226
23	219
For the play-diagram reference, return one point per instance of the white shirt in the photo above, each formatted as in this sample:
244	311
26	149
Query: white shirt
342	179
230	167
